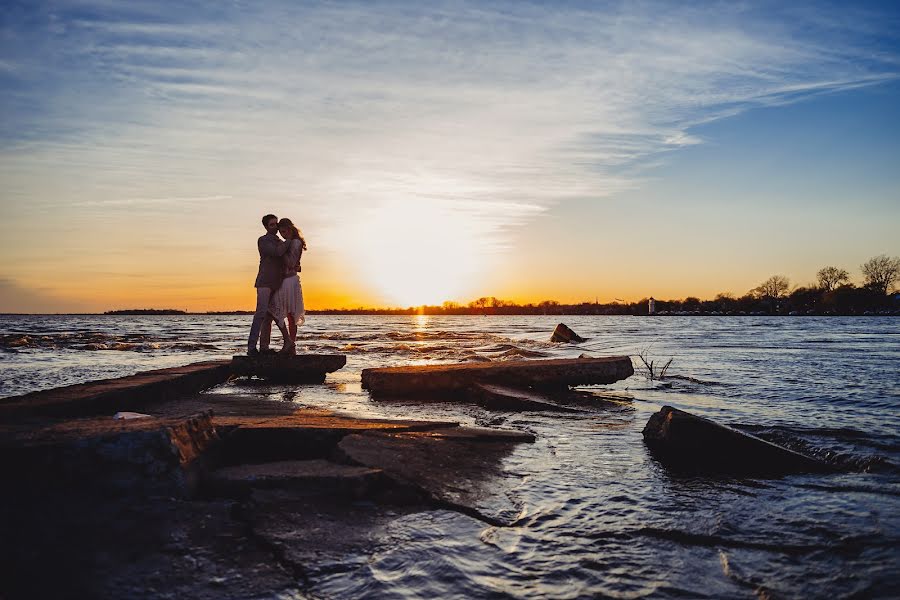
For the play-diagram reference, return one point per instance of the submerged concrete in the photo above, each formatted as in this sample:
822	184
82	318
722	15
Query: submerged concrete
288	368
497	397
690	443
459	377
460	472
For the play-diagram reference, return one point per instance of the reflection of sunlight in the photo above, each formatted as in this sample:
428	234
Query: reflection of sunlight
420	322
418	252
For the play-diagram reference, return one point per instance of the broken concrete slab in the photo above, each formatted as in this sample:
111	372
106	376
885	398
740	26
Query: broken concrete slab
288	368
497	397
316	477
305	434
458	377
455	473
691	443
321	539
126	456
479	434
108	396
562	333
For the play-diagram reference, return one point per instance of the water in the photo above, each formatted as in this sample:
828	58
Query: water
596	514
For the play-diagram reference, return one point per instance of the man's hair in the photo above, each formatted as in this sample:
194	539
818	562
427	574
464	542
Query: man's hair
267	218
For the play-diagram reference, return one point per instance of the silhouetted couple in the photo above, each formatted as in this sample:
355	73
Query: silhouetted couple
278	292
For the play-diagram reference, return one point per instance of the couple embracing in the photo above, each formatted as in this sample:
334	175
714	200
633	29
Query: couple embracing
278	292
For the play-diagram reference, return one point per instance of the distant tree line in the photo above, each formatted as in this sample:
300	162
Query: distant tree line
832	294
147	311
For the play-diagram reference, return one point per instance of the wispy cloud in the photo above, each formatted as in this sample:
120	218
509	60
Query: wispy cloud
496	111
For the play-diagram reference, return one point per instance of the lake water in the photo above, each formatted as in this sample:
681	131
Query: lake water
596	514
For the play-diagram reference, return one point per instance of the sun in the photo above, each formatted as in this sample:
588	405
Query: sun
417	255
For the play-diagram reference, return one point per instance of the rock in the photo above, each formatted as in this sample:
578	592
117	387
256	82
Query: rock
562	333
686	442
449	379
300	368
316	477
108	396
496	397
130	456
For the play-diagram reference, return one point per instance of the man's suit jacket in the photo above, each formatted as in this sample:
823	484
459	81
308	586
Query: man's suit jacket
271	268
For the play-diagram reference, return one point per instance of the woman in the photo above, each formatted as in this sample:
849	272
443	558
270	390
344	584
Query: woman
287	301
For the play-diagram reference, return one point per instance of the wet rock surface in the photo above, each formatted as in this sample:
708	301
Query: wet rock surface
120	394
128	456
451	470
496	397
216	495
689	443
448	379
313	477
563	333
287	368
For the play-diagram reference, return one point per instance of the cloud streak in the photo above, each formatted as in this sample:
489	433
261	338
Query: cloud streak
494	111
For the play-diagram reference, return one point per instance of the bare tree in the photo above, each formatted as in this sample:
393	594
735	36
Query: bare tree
774	287
831	277
881	272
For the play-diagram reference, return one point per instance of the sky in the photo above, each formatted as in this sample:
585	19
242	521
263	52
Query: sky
437	151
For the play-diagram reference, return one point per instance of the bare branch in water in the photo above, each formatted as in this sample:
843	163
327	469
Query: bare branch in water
649	365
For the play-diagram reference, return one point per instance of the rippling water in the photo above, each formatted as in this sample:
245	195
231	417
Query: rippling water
597	515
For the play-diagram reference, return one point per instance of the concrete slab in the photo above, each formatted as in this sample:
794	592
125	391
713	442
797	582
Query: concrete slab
497	397
300	368
108	396
305	434
130	456
690	443
316	477
456	473
450	378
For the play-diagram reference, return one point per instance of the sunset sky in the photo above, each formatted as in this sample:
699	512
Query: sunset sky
442	150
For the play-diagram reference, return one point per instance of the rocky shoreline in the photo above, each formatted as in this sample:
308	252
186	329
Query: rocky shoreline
215	495
148	486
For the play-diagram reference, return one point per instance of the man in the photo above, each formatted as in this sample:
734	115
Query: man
268	279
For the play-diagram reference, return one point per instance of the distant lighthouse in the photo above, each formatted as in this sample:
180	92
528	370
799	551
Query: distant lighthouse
651	307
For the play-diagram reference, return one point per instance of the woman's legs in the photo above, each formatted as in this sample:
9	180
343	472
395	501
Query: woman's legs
292	327
285	334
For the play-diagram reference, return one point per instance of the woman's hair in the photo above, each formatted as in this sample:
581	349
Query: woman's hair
288	224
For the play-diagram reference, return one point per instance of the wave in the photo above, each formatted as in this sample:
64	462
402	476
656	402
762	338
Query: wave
522	353
845	448
97	341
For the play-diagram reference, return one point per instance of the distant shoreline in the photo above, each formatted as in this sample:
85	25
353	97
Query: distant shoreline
405	312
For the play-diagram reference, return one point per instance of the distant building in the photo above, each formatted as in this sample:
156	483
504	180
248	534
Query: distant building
651	307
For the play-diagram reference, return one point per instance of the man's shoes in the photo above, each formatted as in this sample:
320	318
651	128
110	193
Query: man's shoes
252	352
288	349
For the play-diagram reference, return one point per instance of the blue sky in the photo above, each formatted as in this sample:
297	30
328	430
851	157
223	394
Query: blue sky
443	149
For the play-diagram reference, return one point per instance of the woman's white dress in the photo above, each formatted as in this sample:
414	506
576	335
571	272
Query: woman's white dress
288	299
